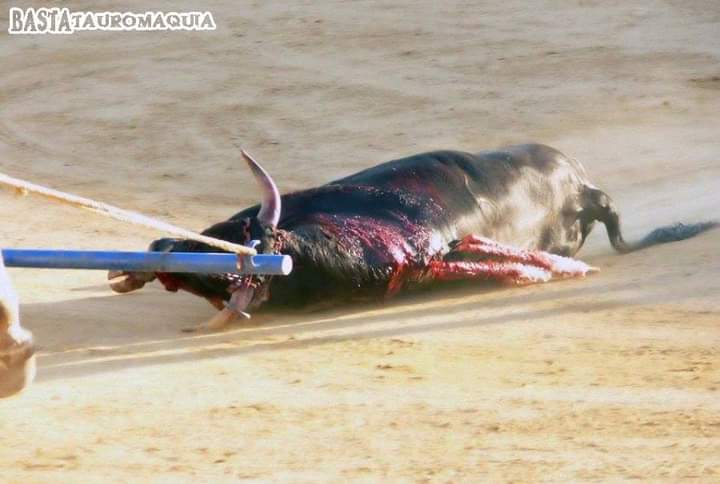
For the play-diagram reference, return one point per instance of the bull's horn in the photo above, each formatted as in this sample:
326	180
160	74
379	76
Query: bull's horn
270	207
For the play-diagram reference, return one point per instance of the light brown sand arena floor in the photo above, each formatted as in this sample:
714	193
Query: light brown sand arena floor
612	377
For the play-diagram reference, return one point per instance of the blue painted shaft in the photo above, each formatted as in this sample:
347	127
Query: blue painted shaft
198	262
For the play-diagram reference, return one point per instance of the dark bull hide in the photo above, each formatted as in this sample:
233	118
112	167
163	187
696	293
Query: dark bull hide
437	216
17	361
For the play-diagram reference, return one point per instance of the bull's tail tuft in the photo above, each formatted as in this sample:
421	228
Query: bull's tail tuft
674	233
601	208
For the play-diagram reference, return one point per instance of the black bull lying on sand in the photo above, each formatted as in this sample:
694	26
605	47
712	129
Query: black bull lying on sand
438	216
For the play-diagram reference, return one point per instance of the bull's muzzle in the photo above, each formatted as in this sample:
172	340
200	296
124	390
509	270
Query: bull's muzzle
122	281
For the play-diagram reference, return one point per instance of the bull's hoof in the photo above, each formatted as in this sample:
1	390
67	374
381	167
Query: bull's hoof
221	320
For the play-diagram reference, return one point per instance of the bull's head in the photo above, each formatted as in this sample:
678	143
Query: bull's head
242	293
17	360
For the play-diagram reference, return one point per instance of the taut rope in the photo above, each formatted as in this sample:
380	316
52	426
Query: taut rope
23	187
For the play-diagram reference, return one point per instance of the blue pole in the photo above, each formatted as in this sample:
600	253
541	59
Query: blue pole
198	262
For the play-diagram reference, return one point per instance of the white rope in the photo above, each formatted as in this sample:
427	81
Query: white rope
23	187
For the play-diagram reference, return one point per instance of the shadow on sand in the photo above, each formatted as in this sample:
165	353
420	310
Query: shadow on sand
101	334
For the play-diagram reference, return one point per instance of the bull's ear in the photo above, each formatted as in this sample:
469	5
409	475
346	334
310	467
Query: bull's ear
270	206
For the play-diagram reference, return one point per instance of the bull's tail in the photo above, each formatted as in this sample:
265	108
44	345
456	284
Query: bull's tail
600	207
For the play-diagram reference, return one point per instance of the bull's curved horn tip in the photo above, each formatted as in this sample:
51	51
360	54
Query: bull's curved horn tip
248	157
270	206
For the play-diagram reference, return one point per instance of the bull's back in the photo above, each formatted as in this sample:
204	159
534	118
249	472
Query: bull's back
523	195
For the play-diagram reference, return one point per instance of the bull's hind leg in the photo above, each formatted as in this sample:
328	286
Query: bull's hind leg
476	257
504	272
